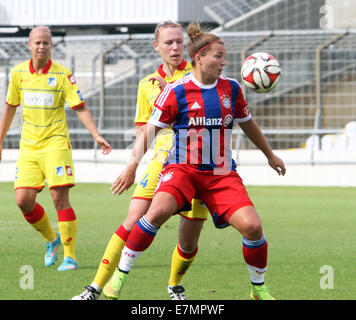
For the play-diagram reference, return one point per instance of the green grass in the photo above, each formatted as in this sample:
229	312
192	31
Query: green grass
306	228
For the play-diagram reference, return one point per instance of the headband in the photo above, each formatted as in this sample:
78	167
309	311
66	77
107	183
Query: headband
165	27
207	45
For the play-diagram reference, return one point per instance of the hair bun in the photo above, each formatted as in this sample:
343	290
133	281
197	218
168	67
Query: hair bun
194	30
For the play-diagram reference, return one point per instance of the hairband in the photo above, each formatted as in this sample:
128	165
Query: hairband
167	26
207	45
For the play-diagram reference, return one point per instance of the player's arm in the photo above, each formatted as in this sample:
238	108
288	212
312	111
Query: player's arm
253	132
144	139
86	118
76	102
164	112
8	114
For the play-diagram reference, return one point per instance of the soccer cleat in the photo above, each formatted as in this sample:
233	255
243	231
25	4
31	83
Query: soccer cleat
177	292
68	264
260	293
51	251
113	287
89	294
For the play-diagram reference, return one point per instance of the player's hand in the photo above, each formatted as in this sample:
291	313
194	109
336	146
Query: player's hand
125	180
161	82
277	164
104	145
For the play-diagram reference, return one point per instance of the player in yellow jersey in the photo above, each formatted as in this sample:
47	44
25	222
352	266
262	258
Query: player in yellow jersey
42	87
169	42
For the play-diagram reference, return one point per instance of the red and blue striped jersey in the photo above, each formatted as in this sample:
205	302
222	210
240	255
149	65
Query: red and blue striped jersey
202	118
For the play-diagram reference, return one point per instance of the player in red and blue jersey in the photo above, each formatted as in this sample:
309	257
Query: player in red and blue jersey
196	118
201	109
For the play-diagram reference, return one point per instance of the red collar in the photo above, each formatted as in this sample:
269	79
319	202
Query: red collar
180	67
45	69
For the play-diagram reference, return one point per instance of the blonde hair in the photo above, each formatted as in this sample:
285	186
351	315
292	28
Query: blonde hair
40	29
164	25
199	40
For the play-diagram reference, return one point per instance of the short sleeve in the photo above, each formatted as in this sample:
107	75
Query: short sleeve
13	97
71	91
165	108
242	110
143	109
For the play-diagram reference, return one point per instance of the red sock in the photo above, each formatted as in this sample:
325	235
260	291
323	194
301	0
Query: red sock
138	240
66	215
141	235
185	255
122	233
35	215
256	256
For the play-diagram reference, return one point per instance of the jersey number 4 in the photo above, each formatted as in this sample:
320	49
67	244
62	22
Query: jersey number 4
144	181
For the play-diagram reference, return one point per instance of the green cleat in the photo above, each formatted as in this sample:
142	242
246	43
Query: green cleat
260	293
113	287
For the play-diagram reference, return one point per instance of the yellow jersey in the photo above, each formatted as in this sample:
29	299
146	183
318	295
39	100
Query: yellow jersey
43	97
146	96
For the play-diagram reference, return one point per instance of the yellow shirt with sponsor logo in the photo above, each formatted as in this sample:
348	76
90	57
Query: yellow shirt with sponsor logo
43	98
146	96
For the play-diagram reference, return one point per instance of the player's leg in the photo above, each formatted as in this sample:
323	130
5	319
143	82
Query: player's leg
248	223
232	205
57	166
67	226
186	250
34	213
29	181
112	254
140	202
141	236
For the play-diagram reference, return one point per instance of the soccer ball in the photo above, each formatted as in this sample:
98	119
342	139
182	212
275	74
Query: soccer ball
261	72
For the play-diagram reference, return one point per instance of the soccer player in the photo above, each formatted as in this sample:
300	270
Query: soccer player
201	108
42	87
169	42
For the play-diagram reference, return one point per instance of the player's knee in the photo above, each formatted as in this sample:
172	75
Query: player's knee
60	202
187	246
60	205
253	230
158	216
129	223
60	197
25	204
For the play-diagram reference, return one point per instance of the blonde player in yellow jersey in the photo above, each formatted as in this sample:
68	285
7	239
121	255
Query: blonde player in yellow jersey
169	42
42	87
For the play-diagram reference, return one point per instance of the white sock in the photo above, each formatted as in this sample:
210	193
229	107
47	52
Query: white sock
96	287
128	259
257	275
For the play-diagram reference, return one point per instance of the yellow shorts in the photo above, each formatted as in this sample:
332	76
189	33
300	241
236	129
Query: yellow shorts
146	188
54	166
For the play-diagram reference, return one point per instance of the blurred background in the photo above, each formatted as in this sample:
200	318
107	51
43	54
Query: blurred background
310	118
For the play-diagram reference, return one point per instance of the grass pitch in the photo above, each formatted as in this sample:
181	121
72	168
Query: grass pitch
311	234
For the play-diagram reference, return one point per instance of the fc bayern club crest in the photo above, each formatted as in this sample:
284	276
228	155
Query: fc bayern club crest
226	101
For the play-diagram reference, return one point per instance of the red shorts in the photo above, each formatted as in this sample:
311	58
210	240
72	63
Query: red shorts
222	194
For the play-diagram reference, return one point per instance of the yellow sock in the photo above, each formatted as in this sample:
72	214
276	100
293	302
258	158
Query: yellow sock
68	232
109	261
179	265
38	219
44	227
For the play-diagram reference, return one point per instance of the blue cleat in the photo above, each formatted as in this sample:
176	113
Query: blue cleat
68	264
51	251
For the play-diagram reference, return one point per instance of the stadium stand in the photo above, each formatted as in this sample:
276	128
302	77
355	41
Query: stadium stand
315	97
